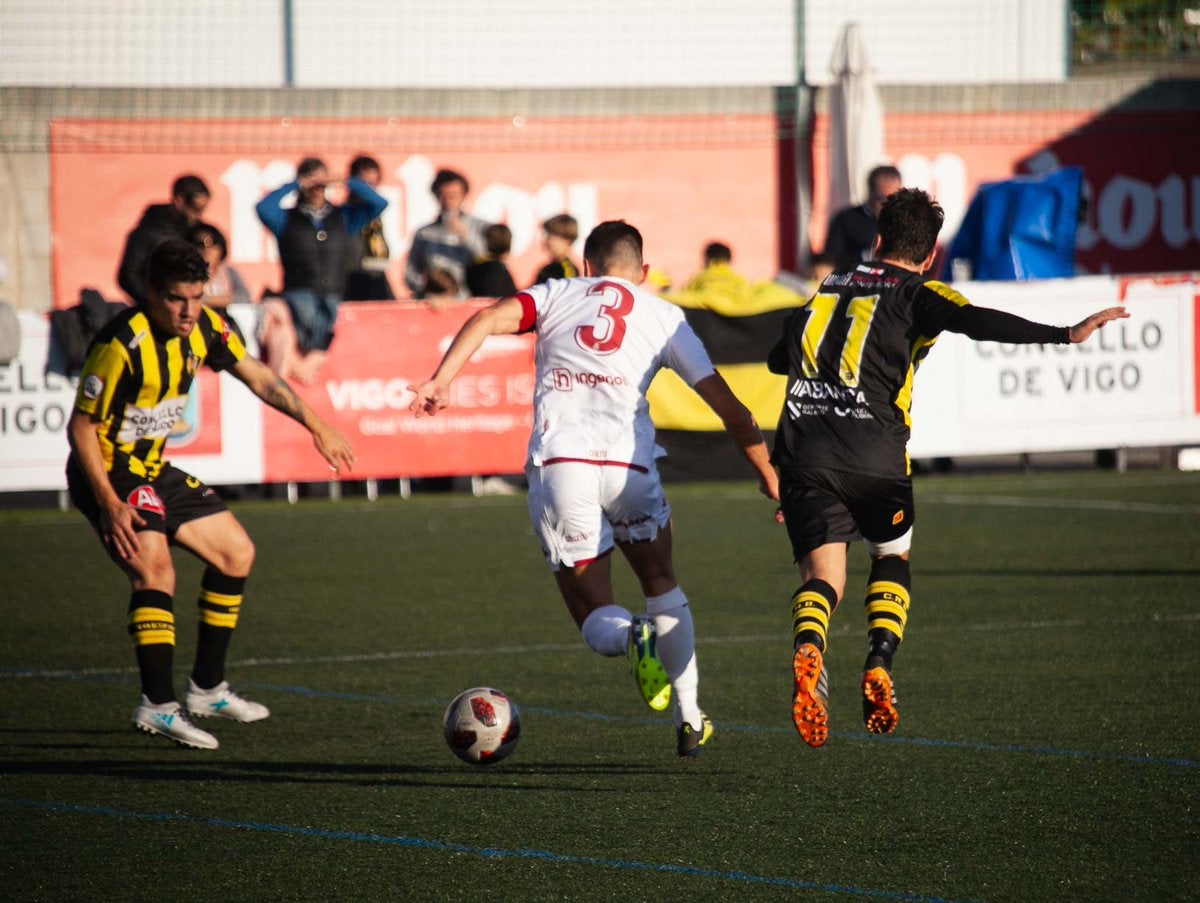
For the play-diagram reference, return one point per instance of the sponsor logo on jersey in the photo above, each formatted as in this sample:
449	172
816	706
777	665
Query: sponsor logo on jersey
144	498
150	423
591	380
92	387
137	339
562	379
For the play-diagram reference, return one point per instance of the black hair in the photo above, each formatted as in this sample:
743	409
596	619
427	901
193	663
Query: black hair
881	172
308	166
189	187
362	163
717	252
171	261
610	242
446	177
205	235
909	223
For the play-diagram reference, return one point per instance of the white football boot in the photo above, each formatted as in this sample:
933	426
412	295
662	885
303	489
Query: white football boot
169	720
222	702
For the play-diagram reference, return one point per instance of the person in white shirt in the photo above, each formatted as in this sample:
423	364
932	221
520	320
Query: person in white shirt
593	481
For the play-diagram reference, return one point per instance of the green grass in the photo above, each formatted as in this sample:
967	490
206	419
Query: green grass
1047	749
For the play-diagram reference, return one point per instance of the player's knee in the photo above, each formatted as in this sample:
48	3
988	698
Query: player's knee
157	573
237	558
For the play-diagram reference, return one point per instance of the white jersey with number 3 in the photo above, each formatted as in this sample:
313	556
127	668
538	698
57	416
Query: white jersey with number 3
600	341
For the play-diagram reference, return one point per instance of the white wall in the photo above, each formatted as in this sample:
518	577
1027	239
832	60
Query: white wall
520	43
948	42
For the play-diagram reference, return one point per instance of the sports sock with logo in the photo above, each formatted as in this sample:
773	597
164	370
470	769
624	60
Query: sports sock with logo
676	643
152	629
887	601
813	605
219	603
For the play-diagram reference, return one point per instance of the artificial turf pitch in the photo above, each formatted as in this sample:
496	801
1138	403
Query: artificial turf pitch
1048	748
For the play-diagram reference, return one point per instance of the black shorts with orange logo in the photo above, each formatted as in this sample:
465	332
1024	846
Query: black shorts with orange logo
166	503
823	506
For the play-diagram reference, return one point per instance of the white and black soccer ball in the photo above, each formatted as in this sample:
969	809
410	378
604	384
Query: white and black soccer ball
481	726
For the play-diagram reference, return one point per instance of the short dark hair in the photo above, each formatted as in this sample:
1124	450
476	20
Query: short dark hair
498	239
563	225
309	165
909	223
206	235
171	261
612	242
445	177
717	252
362	163
189	187
881	172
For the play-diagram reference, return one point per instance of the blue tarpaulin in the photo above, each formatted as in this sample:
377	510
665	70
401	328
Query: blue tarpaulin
1022	228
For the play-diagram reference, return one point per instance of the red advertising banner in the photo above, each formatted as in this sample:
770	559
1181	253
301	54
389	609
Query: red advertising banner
362	389
682	180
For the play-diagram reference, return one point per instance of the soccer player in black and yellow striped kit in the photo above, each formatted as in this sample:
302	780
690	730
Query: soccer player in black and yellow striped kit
132	390
850	355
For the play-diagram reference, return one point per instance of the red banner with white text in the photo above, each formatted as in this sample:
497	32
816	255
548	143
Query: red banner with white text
362	390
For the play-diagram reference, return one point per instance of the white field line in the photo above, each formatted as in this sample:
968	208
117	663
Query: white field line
411	654
1012	501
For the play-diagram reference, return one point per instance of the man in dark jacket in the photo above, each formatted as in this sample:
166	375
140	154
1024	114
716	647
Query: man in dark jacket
159	222
313	237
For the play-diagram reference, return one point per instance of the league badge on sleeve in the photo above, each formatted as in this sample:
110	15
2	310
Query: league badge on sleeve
92	387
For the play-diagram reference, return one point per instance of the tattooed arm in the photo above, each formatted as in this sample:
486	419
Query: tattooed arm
264	383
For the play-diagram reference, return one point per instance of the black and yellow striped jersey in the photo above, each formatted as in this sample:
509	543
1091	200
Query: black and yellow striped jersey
135	383
850	356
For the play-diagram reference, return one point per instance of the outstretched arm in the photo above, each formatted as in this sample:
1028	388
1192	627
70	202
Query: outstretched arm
502	318
264	383
1084	328
742	429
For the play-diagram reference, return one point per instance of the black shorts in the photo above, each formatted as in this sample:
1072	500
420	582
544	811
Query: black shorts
166	503
824	506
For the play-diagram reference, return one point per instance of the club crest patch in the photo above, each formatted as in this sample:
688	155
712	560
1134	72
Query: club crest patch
144	498
92	387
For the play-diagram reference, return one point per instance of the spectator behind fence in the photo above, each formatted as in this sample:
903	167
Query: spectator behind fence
451	242
561	231
159	222
489	277
224	286
851	233
368	252
312	240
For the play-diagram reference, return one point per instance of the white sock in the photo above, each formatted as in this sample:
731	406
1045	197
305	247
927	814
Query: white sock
676	639
606	630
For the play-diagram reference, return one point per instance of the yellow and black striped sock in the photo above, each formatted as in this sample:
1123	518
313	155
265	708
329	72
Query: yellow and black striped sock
812	606
219	603
152	629
887	607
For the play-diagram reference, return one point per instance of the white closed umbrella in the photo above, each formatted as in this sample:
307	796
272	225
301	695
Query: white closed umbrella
855	121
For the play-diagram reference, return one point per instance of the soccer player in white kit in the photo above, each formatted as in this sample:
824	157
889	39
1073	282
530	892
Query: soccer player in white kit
593	482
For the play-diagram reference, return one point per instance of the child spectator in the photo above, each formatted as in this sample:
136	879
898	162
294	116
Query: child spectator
561	233
488	277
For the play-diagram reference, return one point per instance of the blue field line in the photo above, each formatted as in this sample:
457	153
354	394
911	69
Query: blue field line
442	846
646	720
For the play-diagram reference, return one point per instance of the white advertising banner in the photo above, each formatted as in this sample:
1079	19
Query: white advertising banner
1131	384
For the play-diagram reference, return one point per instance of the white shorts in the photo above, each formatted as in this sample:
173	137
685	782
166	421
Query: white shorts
579	509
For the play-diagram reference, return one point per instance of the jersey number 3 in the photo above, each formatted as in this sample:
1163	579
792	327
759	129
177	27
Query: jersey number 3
608	332
821	308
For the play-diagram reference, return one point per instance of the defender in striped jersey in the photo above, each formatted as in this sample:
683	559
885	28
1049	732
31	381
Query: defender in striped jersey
850	356
132	390
593	482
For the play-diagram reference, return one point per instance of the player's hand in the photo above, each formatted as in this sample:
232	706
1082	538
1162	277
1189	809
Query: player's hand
118	529
1081	330
428	398
335	449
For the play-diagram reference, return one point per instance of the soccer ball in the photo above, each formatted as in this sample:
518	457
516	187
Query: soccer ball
481	726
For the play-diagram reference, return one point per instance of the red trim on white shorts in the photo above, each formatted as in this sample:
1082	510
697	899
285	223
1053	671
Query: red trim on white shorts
584	561
637	467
